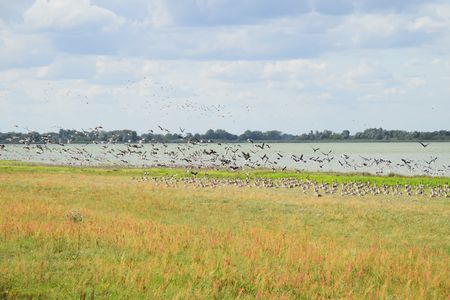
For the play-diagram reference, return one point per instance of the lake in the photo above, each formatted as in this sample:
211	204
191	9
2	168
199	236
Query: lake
375	158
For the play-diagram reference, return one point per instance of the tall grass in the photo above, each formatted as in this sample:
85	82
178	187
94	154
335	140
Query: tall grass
78	235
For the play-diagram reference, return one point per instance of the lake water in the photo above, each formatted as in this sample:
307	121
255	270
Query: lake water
376	158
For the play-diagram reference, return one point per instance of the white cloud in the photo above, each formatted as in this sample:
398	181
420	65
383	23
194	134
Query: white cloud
414	82
373	30
295	67
394	91
23	50
436	61
158	14
119	71
426	24
11	11
260	71
236	30
139	61
222	12
68	67
235	71
69	14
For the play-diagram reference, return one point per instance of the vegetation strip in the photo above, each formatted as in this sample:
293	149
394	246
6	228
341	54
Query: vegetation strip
130	136
22	167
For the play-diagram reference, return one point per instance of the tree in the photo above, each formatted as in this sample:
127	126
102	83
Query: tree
345	134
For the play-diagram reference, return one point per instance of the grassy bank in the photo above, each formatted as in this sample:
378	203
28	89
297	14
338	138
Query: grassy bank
11	167
71	233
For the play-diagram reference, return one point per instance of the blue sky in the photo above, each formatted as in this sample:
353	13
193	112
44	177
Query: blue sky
232	64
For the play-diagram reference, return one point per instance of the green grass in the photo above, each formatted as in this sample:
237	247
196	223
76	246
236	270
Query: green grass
145	241
11	167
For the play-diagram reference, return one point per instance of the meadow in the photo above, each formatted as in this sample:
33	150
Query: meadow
92	233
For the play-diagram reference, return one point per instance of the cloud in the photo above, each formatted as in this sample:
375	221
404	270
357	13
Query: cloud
233	12
235	72
140	93
132	10
336	7
277	39
414	82
244	72
21	50
289	37
231	30
54	15
388	6
139	61
68	67
11	11
293	67
120	71
221	12
379	31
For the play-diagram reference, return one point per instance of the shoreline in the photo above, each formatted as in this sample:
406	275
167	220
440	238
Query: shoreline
340	177
243	142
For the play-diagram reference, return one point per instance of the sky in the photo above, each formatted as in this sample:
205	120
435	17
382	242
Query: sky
288	65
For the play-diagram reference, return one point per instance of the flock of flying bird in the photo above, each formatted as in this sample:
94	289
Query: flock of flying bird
200	155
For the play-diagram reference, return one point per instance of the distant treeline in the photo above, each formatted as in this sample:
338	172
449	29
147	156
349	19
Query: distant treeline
129	136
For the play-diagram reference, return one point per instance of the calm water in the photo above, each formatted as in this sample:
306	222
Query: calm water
380	158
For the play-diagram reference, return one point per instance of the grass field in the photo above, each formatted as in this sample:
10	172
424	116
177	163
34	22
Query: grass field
13	167
94	233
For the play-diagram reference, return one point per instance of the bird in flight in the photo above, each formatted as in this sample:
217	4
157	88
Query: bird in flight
423	144
329	152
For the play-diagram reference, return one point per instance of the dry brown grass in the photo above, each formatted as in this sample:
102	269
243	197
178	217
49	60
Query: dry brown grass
137	240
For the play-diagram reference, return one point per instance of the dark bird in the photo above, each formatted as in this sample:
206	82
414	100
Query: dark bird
296	158
261	146
315	149
211	151
246	155
406	161
431	161
423	145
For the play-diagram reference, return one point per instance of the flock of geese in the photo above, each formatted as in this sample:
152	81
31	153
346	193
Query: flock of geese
306	186
199	155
